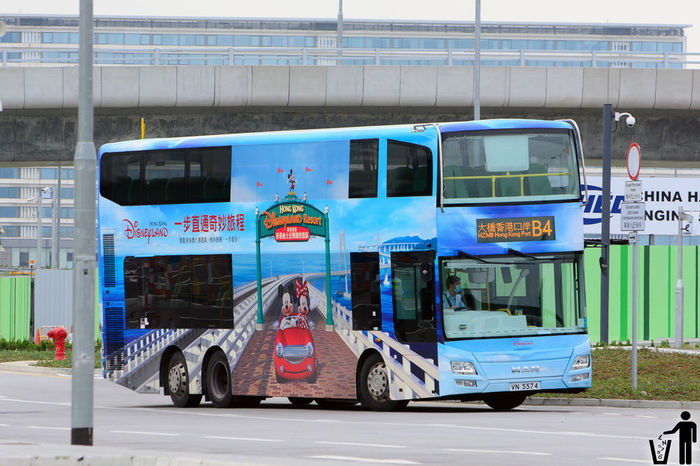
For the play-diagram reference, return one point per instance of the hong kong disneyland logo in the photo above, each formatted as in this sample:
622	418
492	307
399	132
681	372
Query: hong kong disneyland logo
132	230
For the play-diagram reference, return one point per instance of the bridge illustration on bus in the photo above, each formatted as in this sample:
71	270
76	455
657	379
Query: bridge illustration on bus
240	267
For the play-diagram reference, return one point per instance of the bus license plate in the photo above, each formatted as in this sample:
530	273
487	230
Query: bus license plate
523	386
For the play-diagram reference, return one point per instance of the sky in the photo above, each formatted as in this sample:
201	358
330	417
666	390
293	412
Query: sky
589	11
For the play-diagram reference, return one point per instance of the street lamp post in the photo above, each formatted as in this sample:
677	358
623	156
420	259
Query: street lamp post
608	117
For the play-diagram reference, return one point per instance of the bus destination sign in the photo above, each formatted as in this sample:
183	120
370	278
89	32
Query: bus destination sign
496	230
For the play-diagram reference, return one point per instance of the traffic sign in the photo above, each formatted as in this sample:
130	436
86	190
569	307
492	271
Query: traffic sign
634	161
690	222
633	191
632	216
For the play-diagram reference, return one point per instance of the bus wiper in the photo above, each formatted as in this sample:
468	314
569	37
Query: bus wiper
469	256
513	252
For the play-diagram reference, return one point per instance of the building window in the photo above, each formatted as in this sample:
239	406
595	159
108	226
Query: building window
67	212
10	192
9	172
11	231
9	211
67	173
48	173
67	193
24	258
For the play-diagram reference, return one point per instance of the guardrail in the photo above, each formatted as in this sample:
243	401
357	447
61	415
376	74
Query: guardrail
46	54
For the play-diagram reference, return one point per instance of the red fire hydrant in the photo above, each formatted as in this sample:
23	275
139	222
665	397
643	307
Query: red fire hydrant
59	335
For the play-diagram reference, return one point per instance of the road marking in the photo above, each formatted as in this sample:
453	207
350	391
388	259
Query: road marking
53	403
48	428
377	445
136	432
245	439
363	460
627	460
4	425
612	414
646	417
510	452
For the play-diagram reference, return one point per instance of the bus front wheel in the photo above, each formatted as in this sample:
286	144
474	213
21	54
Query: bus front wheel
504	401
219	381
179	383
374	386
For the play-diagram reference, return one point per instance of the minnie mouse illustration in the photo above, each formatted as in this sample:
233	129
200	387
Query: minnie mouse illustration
302	292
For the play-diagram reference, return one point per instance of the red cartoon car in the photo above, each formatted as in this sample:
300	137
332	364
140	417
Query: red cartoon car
295	355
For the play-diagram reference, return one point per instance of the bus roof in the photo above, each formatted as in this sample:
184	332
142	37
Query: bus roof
505	123
312	134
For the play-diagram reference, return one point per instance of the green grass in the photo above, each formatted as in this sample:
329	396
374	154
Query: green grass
43	354
660	376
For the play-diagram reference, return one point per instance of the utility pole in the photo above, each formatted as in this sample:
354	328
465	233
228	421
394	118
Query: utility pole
339	38
85	260
477	62
605	224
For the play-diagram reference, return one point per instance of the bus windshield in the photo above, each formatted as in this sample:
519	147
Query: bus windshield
511	296
499	166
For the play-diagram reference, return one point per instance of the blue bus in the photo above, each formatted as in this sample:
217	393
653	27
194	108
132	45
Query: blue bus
374	264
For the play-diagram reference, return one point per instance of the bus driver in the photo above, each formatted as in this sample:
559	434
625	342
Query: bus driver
453	296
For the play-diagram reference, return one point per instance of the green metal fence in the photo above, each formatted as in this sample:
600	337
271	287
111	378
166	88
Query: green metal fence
15	307
656	292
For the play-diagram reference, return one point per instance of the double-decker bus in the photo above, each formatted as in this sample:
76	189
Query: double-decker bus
381	264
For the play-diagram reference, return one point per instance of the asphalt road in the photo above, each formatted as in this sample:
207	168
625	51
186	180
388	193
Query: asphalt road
35	413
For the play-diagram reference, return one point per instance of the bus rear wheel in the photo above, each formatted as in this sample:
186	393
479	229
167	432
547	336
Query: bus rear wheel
179	383
374	386
218	380
504	401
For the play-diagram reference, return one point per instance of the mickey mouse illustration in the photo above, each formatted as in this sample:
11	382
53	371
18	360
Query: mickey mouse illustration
287	304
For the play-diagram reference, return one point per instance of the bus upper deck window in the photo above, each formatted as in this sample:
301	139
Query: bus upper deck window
409	170
364	159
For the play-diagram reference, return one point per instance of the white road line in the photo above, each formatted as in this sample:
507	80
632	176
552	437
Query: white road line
4	425
646	417
136	432
510	452
245	439
612	414
377	445
626	460
363	460
48	428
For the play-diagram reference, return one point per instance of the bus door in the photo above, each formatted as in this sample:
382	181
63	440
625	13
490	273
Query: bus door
413	301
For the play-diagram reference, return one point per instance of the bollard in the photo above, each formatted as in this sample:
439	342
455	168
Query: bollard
59	335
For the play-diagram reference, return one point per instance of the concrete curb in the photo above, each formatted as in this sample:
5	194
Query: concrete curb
26	367
611	403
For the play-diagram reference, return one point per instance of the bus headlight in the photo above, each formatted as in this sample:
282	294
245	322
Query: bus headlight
309	349
462	368
581	362
279	349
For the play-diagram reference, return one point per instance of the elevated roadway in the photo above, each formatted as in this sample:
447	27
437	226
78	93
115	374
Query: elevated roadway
40	103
